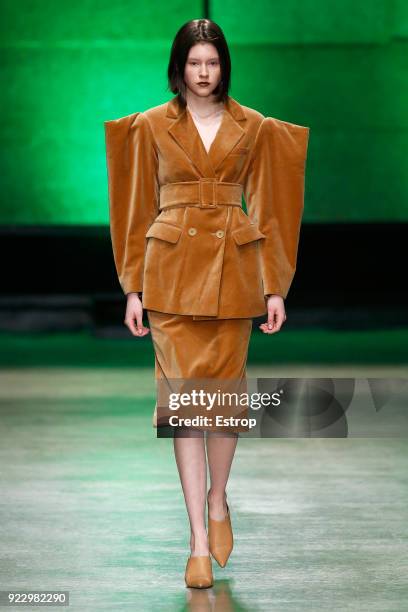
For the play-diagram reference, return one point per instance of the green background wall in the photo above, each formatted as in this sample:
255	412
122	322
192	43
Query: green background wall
339	67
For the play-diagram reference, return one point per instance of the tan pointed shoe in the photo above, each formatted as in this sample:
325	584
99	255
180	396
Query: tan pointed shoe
220	537
199	572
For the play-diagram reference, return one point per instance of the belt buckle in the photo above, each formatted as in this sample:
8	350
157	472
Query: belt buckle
207	192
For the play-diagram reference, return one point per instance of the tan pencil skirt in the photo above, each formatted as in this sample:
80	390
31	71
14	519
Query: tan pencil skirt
197	350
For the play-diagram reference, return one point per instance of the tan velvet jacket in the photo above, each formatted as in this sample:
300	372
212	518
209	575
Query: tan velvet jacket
179	232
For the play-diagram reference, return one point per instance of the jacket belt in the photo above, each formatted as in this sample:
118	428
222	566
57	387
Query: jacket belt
204	193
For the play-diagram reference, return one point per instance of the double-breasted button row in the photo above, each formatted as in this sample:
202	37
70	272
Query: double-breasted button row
192	232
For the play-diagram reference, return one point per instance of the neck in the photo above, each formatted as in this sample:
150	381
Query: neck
202	106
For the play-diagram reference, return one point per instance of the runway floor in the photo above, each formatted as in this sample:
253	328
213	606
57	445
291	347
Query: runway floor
91	503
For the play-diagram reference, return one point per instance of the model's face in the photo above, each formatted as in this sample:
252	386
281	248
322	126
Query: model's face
202	65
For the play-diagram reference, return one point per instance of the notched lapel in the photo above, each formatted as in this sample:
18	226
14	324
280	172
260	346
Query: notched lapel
187	137
228	136
185	133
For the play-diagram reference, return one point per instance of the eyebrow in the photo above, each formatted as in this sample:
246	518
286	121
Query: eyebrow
197	58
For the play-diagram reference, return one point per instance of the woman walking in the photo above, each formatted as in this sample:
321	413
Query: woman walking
186	251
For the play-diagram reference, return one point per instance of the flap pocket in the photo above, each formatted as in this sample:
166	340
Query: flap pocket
164	231
248	233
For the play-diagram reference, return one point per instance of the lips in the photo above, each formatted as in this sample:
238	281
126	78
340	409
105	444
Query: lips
203	83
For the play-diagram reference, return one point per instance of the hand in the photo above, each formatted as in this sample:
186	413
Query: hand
276	315
134	311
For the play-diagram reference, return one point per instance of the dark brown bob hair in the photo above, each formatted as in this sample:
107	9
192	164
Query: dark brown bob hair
191	33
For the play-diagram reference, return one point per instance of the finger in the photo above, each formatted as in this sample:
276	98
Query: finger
130	324
139	321
266	325
265	329
272	315
279	321
274	322
135	329
280	318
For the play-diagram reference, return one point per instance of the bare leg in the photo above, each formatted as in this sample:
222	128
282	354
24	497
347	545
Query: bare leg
189	450
220	452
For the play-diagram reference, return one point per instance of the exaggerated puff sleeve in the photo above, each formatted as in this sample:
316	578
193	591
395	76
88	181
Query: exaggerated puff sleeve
132	163
274	195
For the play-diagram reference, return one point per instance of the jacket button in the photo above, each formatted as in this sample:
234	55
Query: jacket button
219	234
192	231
